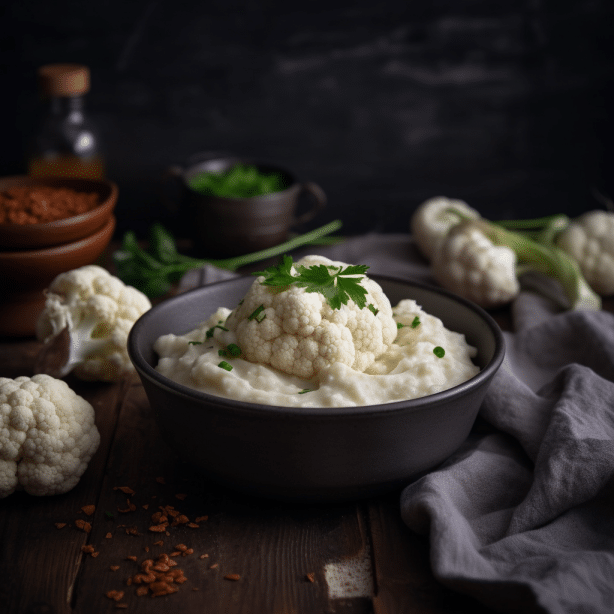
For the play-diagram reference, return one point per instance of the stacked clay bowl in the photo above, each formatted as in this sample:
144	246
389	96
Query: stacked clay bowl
34	252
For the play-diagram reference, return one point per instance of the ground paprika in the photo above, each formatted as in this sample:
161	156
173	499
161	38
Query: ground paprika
33	205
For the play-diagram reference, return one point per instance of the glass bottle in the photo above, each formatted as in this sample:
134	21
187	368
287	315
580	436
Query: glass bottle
67	144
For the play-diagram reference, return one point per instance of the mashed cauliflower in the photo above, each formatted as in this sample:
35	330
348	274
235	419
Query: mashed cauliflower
210	359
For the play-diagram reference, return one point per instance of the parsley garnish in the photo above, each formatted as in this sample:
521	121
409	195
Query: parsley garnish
400	326
225	365
416	322
337	284
374	310
439	352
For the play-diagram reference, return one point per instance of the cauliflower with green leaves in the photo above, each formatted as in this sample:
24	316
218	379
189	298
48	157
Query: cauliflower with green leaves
302	317
89	314
47	435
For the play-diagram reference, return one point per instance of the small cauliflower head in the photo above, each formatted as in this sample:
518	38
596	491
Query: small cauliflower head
589	239
432	220
97	310
47	435
471	265
299	333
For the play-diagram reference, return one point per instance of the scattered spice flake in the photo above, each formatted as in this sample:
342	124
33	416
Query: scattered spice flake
115	595
84	526
146	506
311	577
125	489
181	496
88	509
60	525
203	556
214	566
130	507
114	567
121	606
109	535
160	480
232	576
201	519
88	549
159	543
146	548
180	519
95	554
158	528
131	557
132	530
193	525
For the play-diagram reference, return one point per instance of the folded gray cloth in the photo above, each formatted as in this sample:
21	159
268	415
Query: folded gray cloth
522	516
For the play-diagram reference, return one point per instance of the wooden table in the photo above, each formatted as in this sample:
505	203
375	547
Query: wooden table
285	556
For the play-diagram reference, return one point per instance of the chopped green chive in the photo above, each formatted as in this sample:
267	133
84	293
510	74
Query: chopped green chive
373	309
226	366
233	349
210	332
416	322
304	390
439	352
257	314
195	342
222	353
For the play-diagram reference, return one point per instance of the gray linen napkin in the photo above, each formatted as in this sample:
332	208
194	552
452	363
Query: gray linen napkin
522	516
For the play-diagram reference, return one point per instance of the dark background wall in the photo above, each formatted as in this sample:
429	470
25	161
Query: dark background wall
506	104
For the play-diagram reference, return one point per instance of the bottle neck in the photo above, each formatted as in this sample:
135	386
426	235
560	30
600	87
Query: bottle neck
67	106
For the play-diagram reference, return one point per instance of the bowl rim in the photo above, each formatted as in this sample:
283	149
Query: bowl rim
62	248
144	369
73	220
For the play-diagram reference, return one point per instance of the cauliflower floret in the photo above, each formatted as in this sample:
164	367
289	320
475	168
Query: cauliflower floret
299	333
47	435
433	219
590	240
469	264
97	310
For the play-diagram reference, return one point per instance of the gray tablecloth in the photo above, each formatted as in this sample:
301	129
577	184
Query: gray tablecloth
522	516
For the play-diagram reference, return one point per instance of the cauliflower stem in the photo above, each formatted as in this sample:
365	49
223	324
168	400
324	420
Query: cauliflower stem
545	257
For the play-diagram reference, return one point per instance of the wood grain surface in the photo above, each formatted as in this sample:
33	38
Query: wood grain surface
350	558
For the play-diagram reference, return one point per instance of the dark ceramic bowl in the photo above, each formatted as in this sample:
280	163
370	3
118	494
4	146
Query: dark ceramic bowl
24	275
66	230
313	454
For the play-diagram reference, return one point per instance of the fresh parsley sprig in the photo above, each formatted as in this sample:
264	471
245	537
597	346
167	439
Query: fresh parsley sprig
339	284
156	269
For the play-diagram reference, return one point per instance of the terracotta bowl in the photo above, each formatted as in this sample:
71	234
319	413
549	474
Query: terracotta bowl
24	274
48	234
313	454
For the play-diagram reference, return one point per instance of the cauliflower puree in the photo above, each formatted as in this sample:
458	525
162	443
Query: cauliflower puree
407	369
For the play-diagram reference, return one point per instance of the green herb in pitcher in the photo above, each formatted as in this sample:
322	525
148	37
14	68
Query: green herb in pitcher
240	181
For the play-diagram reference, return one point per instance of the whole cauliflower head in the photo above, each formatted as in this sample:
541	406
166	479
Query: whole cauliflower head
590	241
299	333
470	264
47	435
97	310
433	219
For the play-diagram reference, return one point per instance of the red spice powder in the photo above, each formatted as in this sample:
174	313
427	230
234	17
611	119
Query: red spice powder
33	205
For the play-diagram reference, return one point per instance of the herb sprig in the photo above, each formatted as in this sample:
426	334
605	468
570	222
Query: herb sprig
339	285
153	271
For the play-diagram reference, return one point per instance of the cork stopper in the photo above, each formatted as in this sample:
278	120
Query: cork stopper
64	79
